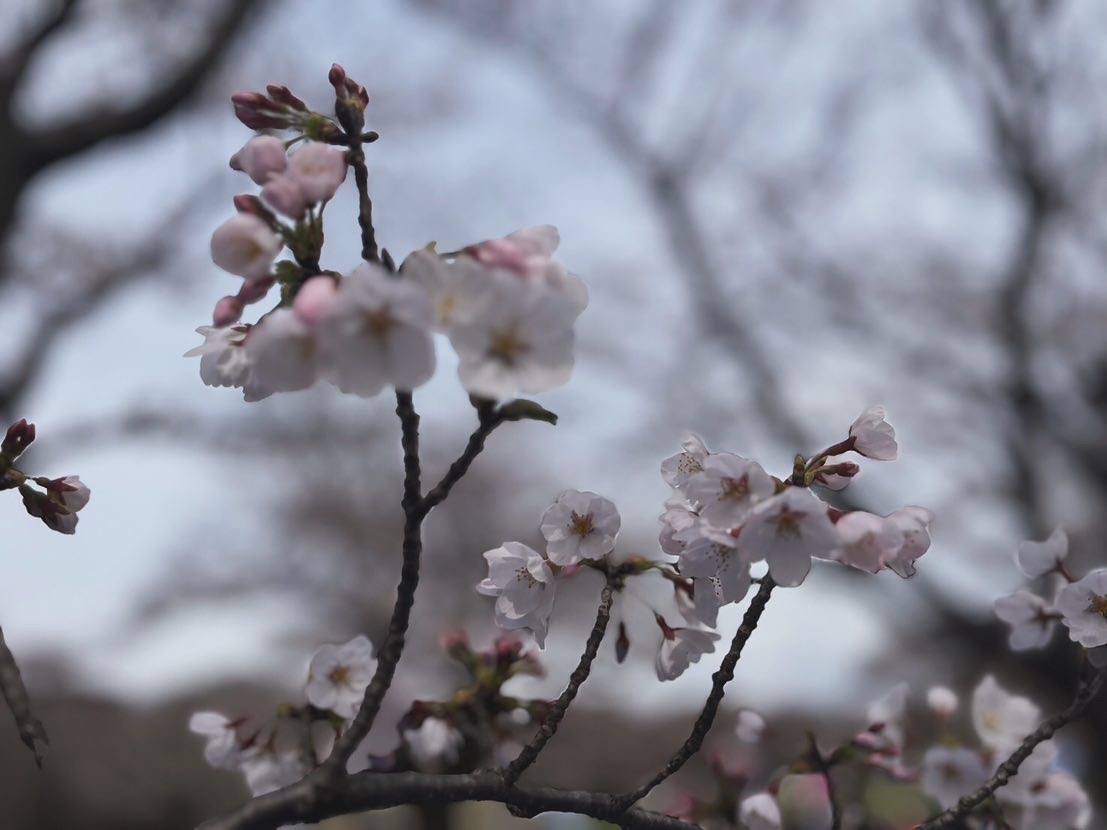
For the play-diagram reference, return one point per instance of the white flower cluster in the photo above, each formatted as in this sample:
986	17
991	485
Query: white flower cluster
280	750
1081	605
578	526
1040	797
727	512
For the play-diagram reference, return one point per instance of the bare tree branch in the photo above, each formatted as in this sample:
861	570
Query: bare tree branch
31	730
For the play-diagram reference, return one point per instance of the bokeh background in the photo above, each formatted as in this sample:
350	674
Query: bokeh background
785	213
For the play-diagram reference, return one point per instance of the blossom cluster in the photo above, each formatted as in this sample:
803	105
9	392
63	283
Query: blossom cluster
59	500
1080	605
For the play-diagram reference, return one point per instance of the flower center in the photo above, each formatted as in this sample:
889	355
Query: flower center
787	523
581	525
339	675
379	322
526	577
1098	605
733	489
507	346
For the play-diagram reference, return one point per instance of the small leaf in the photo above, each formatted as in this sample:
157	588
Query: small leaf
524	410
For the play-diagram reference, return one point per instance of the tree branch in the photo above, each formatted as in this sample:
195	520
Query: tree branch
719	680
313	799
1085	694
489	419
530	752
31	730
18	60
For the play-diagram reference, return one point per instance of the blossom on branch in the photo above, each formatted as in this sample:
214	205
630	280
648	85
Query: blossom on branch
261	157
579	525
728	487
1083	606
524	586
1031	618
1039	558
246	246
787	530
680	647
339	674
873	437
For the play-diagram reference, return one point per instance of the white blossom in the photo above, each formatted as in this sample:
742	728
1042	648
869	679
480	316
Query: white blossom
1002	720
1083	606
245	245
700	605
942	701
787	530
318	170
759	812
520	339
223	361
680	647
224	748
714	555
456	289
727	488
750	727
377	332
887	715
1039	558
1055	802
339	674
677	469
524	586
867	541
873	437
434	745
579	525
527	254
914	523
269	771
676	523
949	772
69	493
1031	619
283	355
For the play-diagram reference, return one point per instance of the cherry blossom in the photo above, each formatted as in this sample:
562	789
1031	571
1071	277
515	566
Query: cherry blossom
519	340
267	772
224	748
727	488
914	523
750	727
873	437
457	289
1083	606
339	674
318	170
283	355
261	157
315	299
434	745
948	772
579	525
680	647
69	493
942	701
676	523
524	586
698	601
887	715
223	361
377	332
714	555
245	245
1031	619
285	196
1039	558
677	469
866	541
759	812
835	473
1055	802
528	253
1002	720
787	530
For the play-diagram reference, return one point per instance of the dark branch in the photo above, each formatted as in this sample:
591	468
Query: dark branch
489	420
312	800
718	688
18	60
530	752
1085	694
31	730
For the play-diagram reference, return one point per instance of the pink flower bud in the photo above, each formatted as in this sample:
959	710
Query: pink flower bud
281	94
285	196
314	299
227	311
257	112
318	170
260	157
19	436
254	290
245	203
245	245
337	77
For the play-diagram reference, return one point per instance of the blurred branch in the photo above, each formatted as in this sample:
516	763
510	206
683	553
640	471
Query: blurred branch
18	60
47	146
31	730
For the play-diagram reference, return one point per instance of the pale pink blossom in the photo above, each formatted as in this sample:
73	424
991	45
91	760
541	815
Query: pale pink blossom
527	253
315	299
456	288
677	469
339	674
699	601
579	525
225	749
260	157
914	523
1002	720
750	727
942	701
1056	801
787	530
223	360
282	353
676	522
245	245
377	332
727	488
1083	606
1039	558
866	541
318	169
227	311
1031	618
69	492
524	586
873	437
887	715
714	556
284	195
680	647
270	771
835	473
759	812
950	772
434	746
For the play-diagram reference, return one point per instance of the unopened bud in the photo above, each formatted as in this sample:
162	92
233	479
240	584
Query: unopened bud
281	94
227	311
254	290
249	204
622	643
19	436
337	77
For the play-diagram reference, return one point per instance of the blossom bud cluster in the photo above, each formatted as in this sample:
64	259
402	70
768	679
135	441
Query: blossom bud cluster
1080	605
59	500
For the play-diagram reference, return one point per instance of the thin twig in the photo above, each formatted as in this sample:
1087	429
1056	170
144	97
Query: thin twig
31	730
313	800
1085	694
530	752
393	647
719	680
489	420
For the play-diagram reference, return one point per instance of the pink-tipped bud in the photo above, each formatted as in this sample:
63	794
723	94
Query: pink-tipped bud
314	299
337	77
19	436
245	203
260	157
254	290
281	94
454	640
227	311
285	196
257	112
